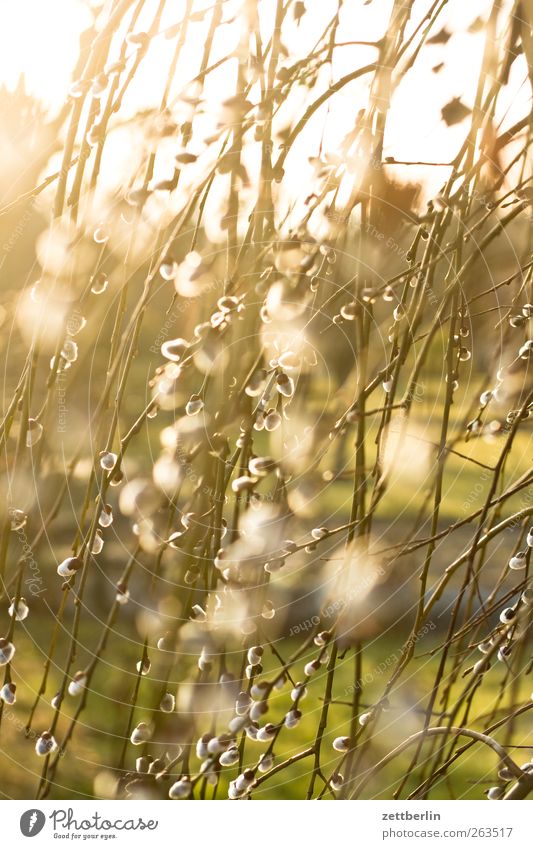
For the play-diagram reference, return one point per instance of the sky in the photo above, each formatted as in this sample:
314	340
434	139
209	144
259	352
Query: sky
40	40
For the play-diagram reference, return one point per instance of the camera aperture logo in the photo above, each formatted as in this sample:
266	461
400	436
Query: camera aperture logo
32	822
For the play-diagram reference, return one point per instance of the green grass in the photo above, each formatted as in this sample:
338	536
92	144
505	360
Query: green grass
97	745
